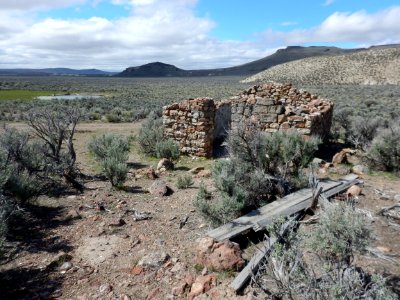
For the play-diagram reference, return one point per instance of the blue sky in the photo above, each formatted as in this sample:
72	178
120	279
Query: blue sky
114	34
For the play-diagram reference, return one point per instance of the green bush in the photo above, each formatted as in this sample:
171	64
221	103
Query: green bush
150	134
111	151
167	149
184	181
384	153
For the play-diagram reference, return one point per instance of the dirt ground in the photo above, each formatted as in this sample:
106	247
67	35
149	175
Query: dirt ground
90	246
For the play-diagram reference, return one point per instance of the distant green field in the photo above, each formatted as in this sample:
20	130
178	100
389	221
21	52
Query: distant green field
23	94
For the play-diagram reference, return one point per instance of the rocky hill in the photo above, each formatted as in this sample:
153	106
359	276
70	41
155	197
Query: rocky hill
377	65
158	69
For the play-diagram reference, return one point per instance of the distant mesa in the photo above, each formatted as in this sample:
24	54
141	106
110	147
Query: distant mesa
159	69
155	69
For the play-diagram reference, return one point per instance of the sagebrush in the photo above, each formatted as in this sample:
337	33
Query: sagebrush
112	151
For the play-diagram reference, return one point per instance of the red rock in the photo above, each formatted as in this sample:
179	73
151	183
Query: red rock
136	270
219	256
201	285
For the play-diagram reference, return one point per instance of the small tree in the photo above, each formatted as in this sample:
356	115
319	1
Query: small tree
111	151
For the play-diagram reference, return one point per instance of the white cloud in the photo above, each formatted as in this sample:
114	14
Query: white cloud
162	30
360	27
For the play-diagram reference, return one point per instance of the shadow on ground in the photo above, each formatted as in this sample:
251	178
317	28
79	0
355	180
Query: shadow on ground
30	232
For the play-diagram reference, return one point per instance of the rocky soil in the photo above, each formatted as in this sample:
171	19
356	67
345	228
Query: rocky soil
373	66
131	244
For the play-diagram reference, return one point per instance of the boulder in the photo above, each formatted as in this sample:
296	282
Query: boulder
159	188
219	256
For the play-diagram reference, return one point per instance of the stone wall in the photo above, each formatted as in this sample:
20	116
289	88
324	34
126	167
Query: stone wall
191	124
195	124
277	107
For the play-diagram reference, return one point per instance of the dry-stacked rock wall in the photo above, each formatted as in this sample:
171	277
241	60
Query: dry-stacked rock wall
196	123
191	124
280	107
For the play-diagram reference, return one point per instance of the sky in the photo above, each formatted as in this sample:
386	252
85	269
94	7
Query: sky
191	34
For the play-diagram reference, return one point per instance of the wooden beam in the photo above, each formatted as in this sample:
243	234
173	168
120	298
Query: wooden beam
244	276
286	206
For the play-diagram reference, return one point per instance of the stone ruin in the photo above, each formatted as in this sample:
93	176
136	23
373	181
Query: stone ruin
200	124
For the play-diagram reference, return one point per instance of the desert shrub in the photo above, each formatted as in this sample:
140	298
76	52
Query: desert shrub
167	149
322	268
384	152
24	170
54	130
362	131
150	134
281	155
260	167
221	209
111	151
113	118
184	181
341	231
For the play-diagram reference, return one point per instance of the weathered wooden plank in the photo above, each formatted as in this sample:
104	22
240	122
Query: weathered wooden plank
285	206
244	276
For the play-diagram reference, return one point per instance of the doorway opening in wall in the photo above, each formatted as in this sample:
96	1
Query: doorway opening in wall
220	148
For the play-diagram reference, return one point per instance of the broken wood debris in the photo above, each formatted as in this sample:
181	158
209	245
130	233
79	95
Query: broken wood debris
293	204
252	267
286	206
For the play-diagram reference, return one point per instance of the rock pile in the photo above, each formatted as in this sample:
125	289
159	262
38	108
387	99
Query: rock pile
279	107
191	124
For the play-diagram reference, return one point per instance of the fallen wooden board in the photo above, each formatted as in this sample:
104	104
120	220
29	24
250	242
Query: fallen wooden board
286	206
244	276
